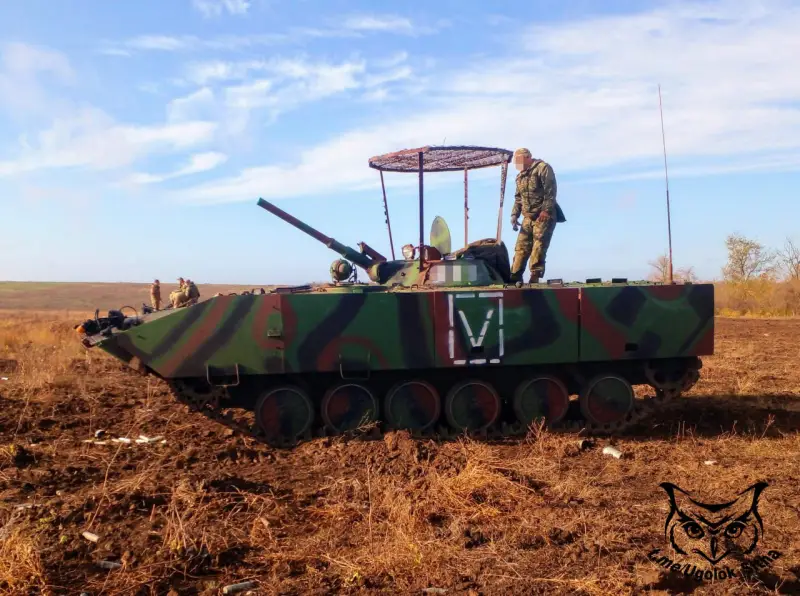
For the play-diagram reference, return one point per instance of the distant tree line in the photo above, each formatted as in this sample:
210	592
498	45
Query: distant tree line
660	271
747	260
755	280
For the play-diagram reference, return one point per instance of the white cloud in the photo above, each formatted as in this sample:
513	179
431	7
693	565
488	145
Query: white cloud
583	95
250	96
193	106
90	138
160	42
22	70
393	60
787	162
24	59
282	85
201	162
72	134
398	74
379	94
186	43
341	163
378	23
214	8
202	73
372	23
354	26
114	52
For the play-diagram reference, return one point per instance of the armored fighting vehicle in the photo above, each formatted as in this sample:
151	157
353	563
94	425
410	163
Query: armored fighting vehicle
440	342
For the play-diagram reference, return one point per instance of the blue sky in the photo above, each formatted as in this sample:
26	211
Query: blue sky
136	138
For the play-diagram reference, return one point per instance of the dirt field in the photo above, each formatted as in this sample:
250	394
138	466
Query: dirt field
205	509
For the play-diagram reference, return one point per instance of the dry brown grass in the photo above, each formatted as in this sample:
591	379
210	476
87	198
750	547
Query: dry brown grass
42	345
342	516
21	568
758	297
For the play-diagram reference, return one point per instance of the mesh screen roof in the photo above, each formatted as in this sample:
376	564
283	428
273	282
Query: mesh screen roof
441	159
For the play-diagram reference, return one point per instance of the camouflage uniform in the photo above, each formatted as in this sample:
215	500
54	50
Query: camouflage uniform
535	195
191	292
177	298
155	295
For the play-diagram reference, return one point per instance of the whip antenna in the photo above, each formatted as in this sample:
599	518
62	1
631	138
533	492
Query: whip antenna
666	180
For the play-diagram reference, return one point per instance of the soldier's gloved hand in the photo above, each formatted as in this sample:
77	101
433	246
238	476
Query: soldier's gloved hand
543	217
515	223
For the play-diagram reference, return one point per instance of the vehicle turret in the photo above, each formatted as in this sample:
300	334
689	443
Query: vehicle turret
371	266
484	262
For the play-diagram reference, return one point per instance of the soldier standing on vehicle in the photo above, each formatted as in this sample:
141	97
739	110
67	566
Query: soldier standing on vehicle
155	295
535	200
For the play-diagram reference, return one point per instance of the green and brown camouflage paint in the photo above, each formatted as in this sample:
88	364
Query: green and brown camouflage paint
445	336
395	329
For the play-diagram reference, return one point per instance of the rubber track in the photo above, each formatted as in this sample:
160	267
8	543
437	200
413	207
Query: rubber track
209	405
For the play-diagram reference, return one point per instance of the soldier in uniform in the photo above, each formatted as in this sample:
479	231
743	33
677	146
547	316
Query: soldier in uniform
535	200
191	292
155	295
176	298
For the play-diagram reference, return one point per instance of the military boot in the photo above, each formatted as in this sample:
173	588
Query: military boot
534	279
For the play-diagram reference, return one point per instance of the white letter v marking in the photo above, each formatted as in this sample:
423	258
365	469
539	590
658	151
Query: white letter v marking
479	342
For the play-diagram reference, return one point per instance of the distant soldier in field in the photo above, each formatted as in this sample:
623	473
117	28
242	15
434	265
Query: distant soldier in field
191	292
155	295
535	200
177	297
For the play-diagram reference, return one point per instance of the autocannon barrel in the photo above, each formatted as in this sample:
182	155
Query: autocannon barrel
347	252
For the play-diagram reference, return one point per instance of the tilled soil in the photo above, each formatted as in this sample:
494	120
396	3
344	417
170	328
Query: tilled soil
205	508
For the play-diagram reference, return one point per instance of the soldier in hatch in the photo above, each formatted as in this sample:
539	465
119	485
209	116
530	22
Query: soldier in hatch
535	200
155	295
